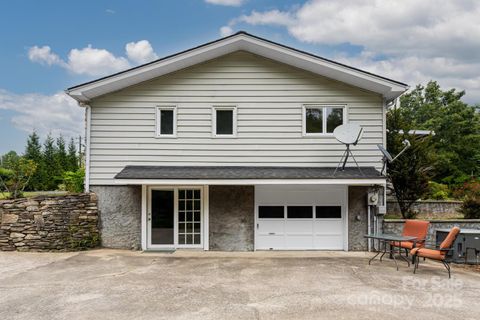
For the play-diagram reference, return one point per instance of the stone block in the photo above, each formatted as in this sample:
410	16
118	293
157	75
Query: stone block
32	237
8	218
16	235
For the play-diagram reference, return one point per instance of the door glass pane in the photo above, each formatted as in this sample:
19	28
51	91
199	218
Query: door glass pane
328	212
162	217
300	212
270	212
191	232
334	118
166	122
313	120
224	122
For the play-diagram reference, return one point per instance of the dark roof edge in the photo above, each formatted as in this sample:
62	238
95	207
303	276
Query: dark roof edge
231	36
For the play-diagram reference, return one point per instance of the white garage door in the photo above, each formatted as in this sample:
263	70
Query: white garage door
300	217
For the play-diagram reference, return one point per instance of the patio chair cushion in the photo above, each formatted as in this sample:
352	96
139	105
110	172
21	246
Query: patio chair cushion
404	244
428	253
452	235
413	228
416	228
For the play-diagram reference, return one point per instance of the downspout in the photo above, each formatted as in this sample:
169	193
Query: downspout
88	115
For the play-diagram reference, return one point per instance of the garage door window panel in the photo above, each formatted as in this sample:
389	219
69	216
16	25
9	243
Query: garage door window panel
299	212
271	212
328	212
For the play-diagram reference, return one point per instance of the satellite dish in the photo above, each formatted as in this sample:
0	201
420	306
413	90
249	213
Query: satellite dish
387	157
348	134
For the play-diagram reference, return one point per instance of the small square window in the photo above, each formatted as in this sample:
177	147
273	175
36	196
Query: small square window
314	120
166	122
224	121
321	119
334	118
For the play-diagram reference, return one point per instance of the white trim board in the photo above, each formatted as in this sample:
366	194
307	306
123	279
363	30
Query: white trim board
390	89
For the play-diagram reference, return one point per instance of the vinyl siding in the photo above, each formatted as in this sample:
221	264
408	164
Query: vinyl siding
269	98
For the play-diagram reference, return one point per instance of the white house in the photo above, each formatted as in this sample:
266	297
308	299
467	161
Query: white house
229	146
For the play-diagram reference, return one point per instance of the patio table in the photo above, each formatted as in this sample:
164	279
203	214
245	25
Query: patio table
387	238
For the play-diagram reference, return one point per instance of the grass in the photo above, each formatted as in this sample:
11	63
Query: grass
30	194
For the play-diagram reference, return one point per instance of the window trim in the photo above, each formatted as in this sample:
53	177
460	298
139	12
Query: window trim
158	113
322	106
234	121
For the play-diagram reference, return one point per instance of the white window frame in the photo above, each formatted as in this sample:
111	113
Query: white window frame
147	209
158	115
323	107
214	121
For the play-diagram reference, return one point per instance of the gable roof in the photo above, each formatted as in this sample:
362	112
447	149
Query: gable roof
389	88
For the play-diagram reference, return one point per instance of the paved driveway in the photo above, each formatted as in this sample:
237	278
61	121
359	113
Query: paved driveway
111	284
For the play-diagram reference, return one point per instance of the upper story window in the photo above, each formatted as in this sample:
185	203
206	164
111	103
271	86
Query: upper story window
322	119
166	121
224	121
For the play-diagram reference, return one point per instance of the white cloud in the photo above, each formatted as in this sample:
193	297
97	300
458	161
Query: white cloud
140	52
92	61
95	62
226	31
272	17
407	40
56	114
44	55
110	11
231	3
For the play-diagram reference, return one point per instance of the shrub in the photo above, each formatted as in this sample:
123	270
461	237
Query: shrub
14	178
437	191
468	189
73	180
471	207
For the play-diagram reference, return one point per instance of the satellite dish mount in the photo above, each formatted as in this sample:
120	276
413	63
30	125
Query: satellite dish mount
348	134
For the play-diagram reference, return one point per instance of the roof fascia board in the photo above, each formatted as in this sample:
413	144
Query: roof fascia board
249	181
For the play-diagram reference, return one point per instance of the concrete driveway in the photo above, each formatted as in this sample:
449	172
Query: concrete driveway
113	284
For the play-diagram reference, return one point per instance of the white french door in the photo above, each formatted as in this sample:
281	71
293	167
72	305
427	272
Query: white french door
175	217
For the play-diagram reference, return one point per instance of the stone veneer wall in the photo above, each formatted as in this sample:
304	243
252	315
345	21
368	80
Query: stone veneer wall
396	226
59	223
357	228
231	218
120	216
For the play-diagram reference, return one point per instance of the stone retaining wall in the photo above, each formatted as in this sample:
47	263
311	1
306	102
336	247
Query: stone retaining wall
429	208
59	223
396	226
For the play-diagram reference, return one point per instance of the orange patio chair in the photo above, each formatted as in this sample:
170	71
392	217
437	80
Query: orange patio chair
413	228
439	253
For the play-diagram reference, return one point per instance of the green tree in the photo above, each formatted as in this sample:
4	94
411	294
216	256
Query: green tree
50	166
72	158
15	178
457	130
410	173
33	151
8	159
61	157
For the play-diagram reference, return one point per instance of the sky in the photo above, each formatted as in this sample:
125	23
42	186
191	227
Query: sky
48	46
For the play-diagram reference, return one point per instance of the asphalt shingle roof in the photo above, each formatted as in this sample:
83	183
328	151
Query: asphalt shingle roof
210	172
